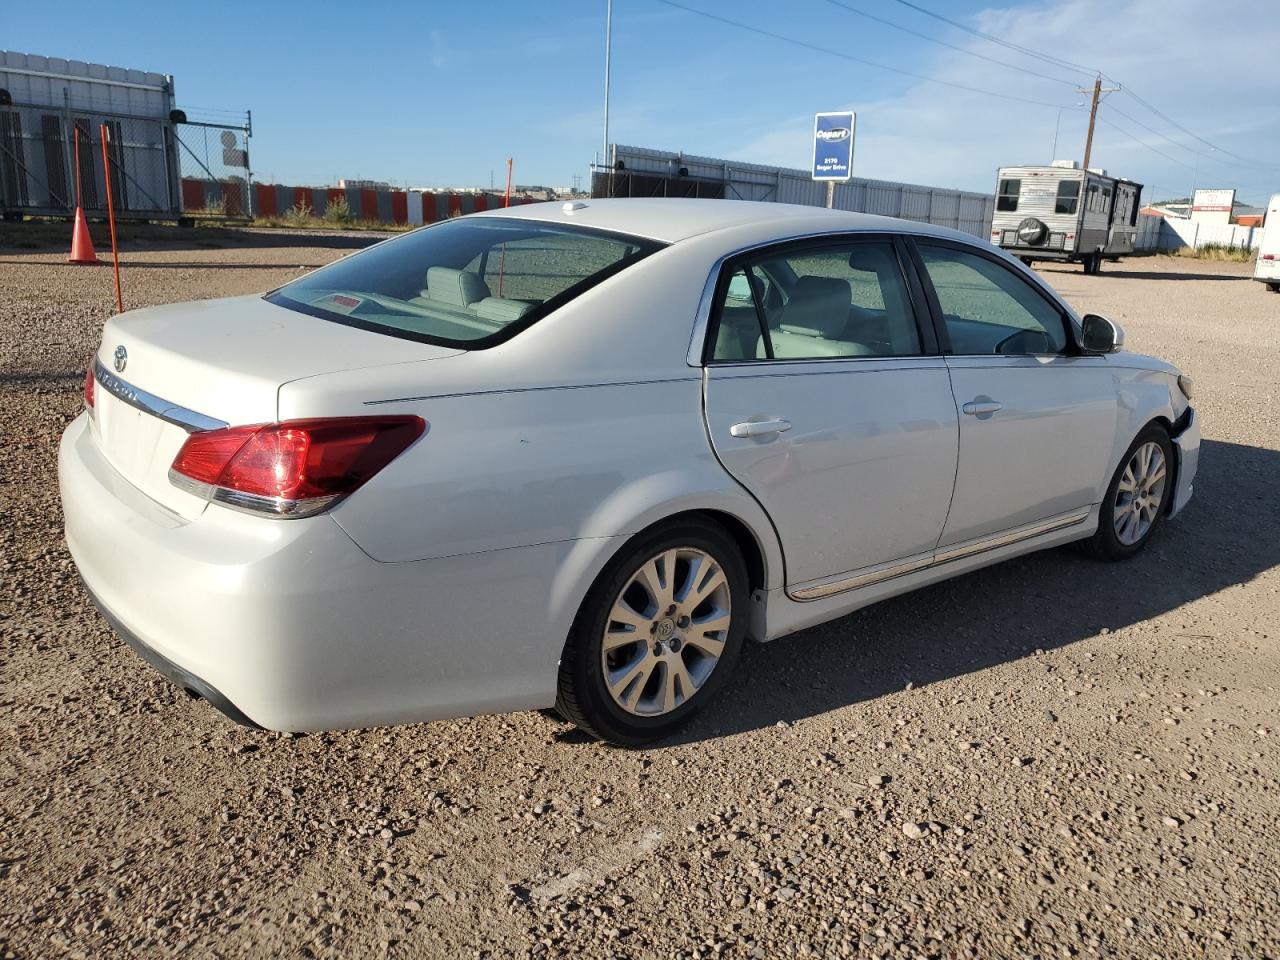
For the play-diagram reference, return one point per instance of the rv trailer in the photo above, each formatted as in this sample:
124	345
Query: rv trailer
1060	212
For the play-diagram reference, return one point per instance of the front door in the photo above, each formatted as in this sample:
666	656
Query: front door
1037	419
826	399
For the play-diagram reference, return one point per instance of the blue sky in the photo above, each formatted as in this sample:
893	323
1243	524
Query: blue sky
442	93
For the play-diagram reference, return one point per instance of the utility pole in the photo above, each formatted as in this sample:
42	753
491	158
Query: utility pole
1098	94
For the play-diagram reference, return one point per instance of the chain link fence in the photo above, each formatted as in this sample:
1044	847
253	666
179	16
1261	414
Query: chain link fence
213	163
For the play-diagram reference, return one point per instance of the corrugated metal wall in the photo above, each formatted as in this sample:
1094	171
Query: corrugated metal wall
707	176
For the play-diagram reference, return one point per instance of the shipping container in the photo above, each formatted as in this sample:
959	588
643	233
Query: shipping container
48	105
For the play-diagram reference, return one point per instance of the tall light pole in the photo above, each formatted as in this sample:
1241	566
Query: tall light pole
608	49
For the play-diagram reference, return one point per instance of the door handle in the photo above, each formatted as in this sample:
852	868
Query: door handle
759	428
983	407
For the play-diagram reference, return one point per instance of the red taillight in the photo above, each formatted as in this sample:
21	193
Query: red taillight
89	381
295	468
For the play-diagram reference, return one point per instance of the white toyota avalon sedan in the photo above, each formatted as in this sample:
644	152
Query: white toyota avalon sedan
574	455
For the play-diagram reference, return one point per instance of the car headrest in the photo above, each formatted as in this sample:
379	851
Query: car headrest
819	307
503	311
457	288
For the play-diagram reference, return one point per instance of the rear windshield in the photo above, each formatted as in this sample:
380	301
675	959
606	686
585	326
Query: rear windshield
469	282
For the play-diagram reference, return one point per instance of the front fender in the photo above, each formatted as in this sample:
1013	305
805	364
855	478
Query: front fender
1142	397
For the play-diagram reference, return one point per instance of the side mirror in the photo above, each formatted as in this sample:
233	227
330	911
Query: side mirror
1101	335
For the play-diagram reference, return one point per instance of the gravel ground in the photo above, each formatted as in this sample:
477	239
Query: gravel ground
1051	757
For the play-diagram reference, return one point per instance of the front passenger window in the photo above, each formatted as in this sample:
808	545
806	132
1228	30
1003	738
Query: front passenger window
988	309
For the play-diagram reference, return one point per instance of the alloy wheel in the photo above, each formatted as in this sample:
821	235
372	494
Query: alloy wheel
666	631
1140	494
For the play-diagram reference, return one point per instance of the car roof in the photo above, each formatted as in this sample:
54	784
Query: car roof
671	219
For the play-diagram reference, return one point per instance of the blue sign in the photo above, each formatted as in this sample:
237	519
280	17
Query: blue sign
833	146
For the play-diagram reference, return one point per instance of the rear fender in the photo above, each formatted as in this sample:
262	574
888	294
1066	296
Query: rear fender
648	501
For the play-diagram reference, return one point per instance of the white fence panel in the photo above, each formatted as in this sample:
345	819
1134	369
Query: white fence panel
1168	233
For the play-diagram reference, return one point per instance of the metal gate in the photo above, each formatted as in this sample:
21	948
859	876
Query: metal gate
213	159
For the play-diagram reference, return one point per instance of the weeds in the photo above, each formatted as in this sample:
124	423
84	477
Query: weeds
338	212
299	215
1217	251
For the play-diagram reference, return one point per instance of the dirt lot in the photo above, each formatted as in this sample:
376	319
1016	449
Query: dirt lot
1052	757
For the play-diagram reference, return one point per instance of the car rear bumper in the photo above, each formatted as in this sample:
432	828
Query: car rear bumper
1186	442
288	625
171	671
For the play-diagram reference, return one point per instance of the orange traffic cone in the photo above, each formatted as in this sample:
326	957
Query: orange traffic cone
81	243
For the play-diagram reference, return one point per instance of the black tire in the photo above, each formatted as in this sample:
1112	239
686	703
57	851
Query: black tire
1105	544
1274	287
582	697
1093	264
1026	261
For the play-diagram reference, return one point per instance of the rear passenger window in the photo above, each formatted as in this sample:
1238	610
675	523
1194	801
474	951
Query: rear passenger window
738	328
845	300
988	309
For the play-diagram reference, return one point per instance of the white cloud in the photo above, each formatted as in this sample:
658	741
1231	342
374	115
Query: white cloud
1211	68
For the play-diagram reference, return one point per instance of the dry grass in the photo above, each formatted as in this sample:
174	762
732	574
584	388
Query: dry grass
1217	251
337	214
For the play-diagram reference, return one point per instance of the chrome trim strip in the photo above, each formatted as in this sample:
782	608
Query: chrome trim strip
869	576
1016	535
275	508
889	571
188	420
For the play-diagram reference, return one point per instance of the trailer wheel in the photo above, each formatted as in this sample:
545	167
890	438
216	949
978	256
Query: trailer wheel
1274	287
1093	264
1027	261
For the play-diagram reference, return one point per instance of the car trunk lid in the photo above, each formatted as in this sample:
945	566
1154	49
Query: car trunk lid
165	371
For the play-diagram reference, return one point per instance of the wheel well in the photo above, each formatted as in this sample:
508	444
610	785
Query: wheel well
746	541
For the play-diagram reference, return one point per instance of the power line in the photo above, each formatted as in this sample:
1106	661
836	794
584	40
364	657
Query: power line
850	57
950	46
1057	61
1026	51
1195	136
1195	153
1143	143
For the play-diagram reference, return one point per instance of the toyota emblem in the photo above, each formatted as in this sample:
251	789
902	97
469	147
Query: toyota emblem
122	358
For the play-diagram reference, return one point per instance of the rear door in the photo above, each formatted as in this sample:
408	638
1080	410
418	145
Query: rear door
1037	418
826	398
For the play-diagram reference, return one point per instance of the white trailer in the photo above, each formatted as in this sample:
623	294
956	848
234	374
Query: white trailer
1060	212
1267	267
